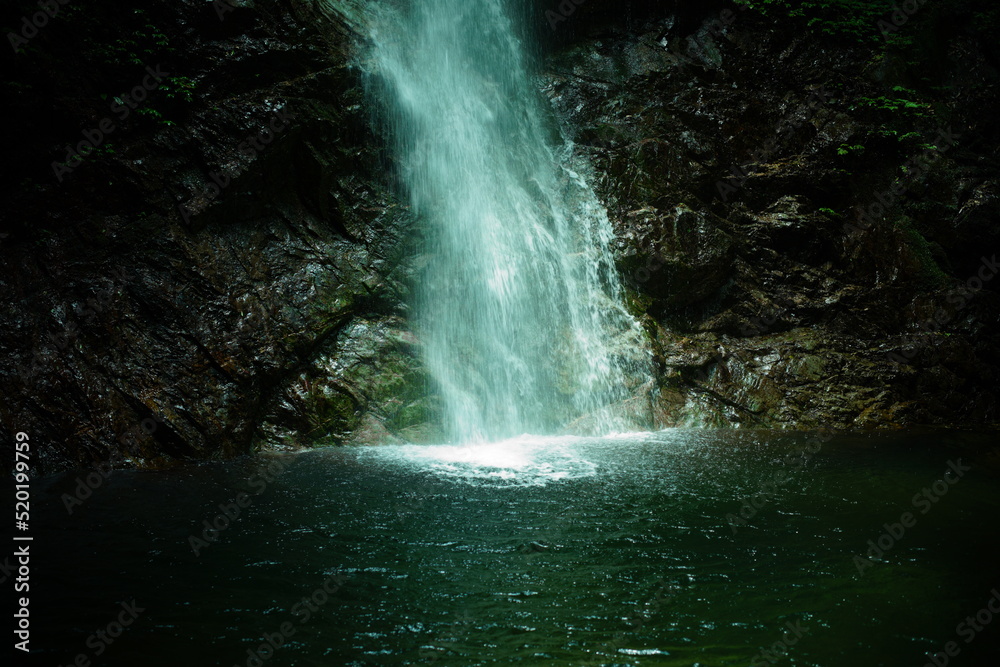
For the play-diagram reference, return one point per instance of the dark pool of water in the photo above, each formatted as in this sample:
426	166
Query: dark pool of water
618	551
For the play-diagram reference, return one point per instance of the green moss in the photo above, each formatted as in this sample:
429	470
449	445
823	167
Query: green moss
138	40
411	414
856	20
330	412
931	276
637	304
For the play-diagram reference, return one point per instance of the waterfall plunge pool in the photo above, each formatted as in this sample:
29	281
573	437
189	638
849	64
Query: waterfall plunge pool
628	550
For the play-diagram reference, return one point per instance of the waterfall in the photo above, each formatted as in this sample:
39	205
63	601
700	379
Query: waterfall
518	304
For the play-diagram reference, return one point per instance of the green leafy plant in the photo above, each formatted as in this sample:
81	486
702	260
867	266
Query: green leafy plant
138	45
851	19
179	87
897	115
894	104
156	115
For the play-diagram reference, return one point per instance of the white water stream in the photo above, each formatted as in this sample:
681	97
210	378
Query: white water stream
519	307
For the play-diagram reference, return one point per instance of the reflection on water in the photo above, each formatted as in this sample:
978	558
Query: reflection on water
563	551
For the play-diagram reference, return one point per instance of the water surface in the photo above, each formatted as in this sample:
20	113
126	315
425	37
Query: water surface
563	551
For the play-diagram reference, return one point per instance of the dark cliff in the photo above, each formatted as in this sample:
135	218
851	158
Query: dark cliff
229	268
807	208
179	292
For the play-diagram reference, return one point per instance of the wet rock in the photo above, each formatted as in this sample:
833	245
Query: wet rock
175	296
677	256
739	169
178	295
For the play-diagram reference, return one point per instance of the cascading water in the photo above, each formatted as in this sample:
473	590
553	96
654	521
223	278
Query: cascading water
519	305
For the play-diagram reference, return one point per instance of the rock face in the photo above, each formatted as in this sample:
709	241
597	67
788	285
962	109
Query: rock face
230	268
805	236
154	315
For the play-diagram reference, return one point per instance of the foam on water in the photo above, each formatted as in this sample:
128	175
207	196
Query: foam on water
522	461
